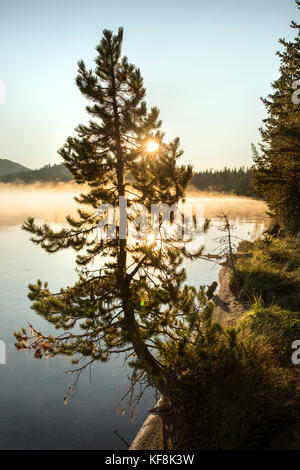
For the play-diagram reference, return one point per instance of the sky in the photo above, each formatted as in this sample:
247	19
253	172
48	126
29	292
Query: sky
205	66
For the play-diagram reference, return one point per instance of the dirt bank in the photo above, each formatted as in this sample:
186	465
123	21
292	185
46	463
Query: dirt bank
228	309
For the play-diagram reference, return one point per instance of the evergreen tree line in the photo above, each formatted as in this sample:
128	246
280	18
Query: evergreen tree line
238	181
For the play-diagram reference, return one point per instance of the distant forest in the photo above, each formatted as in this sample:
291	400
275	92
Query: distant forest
236	181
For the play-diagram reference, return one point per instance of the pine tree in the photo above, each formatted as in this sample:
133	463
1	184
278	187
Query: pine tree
129	296
277	167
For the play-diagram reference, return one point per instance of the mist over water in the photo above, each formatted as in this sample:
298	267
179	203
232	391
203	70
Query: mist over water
52	202
236	207
46	201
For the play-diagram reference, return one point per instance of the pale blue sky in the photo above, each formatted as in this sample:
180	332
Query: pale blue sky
205	64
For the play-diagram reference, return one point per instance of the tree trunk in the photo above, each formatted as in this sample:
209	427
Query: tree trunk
148	360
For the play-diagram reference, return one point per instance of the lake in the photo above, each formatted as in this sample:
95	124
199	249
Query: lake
32	410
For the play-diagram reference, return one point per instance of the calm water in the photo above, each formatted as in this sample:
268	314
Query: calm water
32	412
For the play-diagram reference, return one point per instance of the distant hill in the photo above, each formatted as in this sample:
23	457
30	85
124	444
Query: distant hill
8	167
47	173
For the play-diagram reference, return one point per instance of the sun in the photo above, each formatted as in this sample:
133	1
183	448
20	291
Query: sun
152	146
151	238
154	242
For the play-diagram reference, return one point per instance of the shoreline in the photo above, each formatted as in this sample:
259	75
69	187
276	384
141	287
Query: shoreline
150	434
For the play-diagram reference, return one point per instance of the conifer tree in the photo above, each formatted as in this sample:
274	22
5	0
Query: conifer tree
129	296
277	167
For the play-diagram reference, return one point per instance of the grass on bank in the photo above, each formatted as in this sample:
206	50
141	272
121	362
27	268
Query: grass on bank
237	387
272	273
270	280
234	392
